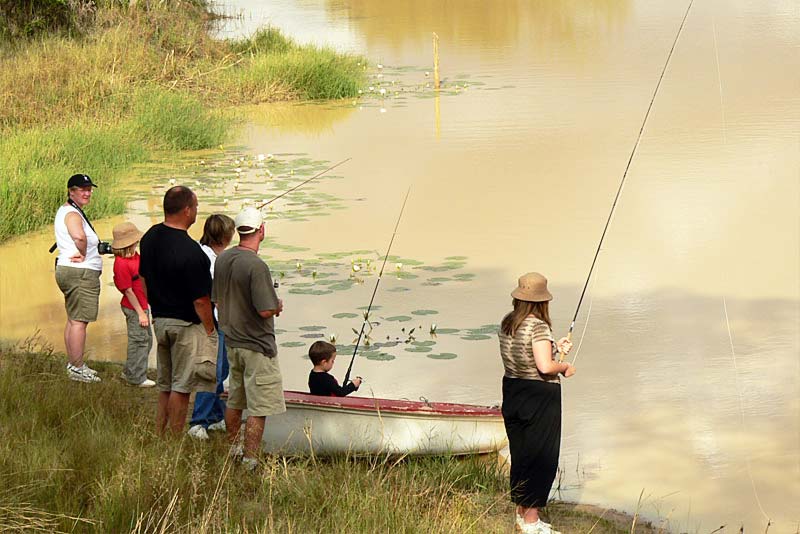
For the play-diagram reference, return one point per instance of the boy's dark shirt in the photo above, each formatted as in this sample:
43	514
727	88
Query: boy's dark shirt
176	272
321	383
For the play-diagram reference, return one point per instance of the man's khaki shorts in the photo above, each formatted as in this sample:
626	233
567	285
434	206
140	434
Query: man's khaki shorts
81	288
186	357
255	383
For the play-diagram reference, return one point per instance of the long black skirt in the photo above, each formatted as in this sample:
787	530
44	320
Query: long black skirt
532	416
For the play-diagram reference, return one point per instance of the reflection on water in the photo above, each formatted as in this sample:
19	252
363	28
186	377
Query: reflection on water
519	174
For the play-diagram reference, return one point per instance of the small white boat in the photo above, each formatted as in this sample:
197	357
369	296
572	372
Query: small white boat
367	426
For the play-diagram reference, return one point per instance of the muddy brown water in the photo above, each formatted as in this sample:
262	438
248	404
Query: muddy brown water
513	167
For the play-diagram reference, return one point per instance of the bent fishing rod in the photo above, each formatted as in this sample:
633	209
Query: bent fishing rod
301	184
375	291
625	174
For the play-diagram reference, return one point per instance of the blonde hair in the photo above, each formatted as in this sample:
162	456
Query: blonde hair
126	252
523	309
217	230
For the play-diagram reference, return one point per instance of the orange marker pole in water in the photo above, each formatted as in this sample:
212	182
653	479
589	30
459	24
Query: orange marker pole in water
435	61
625	175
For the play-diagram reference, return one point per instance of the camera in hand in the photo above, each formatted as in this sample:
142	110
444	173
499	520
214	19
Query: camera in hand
104	247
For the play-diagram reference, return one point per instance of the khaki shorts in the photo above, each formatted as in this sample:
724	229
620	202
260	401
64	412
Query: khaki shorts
255	383
186	357
81	288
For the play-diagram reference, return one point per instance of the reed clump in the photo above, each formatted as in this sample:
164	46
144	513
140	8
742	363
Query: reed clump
98	92
85	458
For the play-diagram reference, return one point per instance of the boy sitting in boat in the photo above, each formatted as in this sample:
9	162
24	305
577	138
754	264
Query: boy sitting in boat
322	354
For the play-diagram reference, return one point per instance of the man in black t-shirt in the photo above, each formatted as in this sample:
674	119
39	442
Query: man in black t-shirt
176	275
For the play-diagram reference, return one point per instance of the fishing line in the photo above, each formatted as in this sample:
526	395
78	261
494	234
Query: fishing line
625	174
375	291
301	184
586	319
719	80
741	405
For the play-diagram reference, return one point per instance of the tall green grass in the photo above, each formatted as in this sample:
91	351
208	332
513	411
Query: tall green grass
36	163
139	78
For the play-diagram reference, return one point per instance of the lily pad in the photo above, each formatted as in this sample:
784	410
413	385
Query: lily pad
309	291
293	344
424	312
443	356
399	318
418	349
399	289
315	335
475	337
312	328
377	356
423	343
447	330
345	315
455	258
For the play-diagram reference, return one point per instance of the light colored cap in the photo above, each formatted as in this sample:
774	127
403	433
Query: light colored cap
125	234
532	287
248	218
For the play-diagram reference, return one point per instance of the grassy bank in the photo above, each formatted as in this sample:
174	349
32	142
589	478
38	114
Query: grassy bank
134	80
84	458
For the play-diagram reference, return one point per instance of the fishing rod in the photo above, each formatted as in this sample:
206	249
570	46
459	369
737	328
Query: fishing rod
625	174
375	291
301	184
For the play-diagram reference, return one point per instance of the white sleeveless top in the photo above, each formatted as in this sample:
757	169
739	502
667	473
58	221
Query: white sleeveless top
66	246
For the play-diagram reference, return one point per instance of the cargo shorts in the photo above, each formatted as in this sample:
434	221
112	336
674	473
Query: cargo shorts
81	289
186	357
255	383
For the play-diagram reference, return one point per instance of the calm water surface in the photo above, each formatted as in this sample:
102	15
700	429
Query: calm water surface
688	381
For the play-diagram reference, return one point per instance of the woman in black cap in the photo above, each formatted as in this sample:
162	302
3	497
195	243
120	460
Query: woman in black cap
532	399
78	268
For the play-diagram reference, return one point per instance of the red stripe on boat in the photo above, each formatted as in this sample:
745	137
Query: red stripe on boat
391	405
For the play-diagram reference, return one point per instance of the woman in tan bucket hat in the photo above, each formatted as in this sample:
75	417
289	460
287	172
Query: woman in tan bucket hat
532	399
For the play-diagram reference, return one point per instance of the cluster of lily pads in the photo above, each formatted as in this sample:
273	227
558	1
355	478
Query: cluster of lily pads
231	179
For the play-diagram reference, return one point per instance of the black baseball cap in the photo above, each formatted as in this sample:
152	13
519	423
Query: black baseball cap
80	180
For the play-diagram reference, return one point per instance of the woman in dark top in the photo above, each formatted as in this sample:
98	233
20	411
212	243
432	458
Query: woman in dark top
322	354
532	399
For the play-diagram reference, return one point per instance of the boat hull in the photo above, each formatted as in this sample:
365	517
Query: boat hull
364	426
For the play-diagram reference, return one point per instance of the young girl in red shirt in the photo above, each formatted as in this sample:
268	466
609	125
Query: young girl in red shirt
134	303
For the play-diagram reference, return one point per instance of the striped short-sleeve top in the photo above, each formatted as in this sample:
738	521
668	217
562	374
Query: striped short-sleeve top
517	351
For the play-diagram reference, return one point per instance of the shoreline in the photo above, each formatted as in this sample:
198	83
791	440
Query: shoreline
111	427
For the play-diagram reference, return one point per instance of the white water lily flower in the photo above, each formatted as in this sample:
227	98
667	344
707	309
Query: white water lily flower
270	156
398	266
236	186
299	265
261	157
360	92
371	87
382	91
225	201
427	73
238	170
356	268
380	66
197	183
202	162
383	110
433	328
245	202
332	338
172	181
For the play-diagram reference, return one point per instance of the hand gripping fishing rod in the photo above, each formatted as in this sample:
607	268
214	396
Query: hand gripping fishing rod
625	175
375	291
301	184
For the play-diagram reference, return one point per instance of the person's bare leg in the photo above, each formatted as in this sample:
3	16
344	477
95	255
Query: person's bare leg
161	412
253	432
530	515
75	341
177	408
233	420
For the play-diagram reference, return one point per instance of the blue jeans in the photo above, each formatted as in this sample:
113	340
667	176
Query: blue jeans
208	407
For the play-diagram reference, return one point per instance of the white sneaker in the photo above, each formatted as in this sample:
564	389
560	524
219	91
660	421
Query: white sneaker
78	374
236	452
540	527
249	464
84	368
198	432
219	426
146	384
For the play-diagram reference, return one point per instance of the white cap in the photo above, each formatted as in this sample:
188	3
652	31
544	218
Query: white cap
248	217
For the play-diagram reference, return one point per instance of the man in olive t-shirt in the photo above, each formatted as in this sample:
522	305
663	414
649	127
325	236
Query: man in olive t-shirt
247	304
